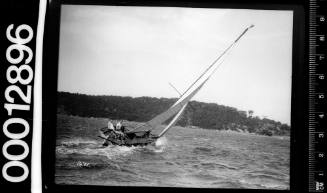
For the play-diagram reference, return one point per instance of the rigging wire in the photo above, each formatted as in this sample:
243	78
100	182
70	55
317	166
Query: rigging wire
215	69
214	62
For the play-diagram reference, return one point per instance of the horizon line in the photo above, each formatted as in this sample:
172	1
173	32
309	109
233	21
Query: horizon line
240	110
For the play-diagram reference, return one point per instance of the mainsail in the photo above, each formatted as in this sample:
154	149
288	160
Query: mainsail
173	110
173	121
179	106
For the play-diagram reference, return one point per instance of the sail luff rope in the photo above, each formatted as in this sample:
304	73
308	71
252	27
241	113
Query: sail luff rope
239	37
175	119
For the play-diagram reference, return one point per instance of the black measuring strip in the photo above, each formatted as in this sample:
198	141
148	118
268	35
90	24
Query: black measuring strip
317	95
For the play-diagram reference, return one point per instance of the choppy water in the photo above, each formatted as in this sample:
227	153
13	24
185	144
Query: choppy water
183	158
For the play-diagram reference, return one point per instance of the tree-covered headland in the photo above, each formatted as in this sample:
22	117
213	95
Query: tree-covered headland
142	109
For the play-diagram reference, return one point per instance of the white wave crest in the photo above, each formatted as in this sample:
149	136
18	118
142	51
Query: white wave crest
160	145
161	142
93	148
78	141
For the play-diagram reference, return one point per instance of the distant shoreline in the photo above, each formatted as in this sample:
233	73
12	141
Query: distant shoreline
104	119
143	109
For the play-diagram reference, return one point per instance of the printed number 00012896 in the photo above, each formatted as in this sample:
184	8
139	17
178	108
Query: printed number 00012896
19	56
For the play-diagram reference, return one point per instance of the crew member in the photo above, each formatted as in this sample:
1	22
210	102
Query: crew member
111	126
118	126
106	132
119	130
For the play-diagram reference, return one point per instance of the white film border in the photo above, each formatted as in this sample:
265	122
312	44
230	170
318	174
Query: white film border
36	166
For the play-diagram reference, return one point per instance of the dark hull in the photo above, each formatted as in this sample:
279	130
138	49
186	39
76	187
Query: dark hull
129	142
113	138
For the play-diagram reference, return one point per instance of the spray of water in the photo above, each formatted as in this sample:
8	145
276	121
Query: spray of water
160	145
114	151
161	142
92	148
77	141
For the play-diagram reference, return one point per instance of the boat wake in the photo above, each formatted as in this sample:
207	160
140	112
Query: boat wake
92	148
244	162
160	145
161	142
89	147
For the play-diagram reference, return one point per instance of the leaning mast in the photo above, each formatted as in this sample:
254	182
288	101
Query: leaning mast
177	108
216	60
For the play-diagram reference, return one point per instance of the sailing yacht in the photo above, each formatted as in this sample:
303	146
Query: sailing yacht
142	135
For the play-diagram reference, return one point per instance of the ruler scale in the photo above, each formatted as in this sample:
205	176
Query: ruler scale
317	96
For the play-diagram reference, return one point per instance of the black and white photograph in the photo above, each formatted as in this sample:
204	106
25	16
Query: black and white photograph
174	97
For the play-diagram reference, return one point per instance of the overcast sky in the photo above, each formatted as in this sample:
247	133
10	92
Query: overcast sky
137	51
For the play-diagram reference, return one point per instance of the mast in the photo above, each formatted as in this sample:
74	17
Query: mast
175	119
215	61
177	108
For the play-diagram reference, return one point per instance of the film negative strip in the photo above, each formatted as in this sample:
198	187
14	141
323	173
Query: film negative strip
317	95
21	37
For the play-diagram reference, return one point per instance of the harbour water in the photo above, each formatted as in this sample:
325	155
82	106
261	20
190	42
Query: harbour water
184	157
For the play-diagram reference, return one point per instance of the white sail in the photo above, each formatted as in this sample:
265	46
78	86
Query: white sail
173	121
173	110
178	107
